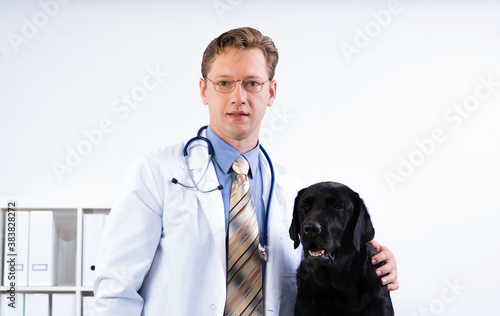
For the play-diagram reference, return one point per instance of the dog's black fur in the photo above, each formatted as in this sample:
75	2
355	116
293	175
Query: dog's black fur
341	281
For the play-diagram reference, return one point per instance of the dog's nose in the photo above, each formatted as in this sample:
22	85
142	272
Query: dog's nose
312	228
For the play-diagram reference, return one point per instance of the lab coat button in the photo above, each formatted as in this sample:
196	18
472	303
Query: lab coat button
213	307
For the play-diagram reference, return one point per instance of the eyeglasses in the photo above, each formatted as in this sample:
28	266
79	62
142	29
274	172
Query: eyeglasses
227	86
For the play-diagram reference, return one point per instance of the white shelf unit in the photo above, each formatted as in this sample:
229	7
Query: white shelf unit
68	216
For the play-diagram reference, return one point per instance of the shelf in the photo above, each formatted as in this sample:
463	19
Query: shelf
44	289
68	218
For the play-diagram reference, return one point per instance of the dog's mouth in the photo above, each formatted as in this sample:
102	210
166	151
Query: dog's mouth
315	251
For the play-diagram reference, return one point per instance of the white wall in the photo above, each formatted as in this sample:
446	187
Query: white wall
362	86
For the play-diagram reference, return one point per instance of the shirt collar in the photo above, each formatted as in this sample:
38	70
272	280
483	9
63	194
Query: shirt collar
225	154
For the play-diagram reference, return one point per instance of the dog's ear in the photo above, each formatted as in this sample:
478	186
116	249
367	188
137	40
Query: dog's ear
363	231
295	226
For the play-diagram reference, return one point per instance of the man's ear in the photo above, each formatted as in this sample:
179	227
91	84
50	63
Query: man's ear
203	91
363	231
294	230
272	93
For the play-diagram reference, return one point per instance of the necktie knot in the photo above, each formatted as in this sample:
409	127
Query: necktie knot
241	166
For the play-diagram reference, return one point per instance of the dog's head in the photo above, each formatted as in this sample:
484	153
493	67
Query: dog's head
327	215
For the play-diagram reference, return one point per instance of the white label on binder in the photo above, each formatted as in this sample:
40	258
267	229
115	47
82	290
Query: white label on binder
40	267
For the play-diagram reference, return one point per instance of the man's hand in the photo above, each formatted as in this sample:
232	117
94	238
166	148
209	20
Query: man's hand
389	270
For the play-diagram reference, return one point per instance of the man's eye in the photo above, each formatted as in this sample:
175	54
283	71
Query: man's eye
223	83
252	83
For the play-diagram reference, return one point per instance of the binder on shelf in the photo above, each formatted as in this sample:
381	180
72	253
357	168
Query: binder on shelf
88	305
66	258
19	261
42	246
93	225
2	252
63	304
36	304
12	310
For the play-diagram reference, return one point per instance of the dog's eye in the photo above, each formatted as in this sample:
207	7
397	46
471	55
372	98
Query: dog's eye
305	207
338	206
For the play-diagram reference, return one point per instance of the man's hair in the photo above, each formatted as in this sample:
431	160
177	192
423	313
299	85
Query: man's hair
240	38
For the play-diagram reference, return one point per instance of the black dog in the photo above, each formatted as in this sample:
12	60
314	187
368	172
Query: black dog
336	276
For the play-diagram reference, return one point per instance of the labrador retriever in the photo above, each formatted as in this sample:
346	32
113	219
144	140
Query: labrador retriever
336	276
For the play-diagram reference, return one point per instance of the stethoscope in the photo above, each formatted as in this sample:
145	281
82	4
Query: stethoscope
263	248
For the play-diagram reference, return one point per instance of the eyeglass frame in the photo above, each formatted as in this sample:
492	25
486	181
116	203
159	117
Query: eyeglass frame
234	85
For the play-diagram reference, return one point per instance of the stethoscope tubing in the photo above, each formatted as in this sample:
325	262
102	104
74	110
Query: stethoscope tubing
263	251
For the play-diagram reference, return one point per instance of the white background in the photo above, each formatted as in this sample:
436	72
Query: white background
411	67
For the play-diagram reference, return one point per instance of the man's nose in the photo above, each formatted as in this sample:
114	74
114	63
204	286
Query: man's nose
239	92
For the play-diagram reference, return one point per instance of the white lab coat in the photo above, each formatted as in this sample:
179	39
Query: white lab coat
163	250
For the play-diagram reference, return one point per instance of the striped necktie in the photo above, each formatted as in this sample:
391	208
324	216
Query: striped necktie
244	269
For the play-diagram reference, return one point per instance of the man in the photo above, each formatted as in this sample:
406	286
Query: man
169	243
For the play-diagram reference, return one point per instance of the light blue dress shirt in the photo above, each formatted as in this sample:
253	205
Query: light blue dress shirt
224	156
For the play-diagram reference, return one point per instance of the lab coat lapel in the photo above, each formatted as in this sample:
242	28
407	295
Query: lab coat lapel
274	266
211	203
266	180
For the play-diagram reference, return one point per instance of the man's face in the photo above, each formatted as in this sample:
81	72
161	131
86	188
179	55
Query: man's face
237	116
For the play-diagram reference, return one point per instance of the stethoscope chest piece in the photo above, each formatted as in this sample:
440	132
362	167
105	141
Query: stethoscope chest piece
263	252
